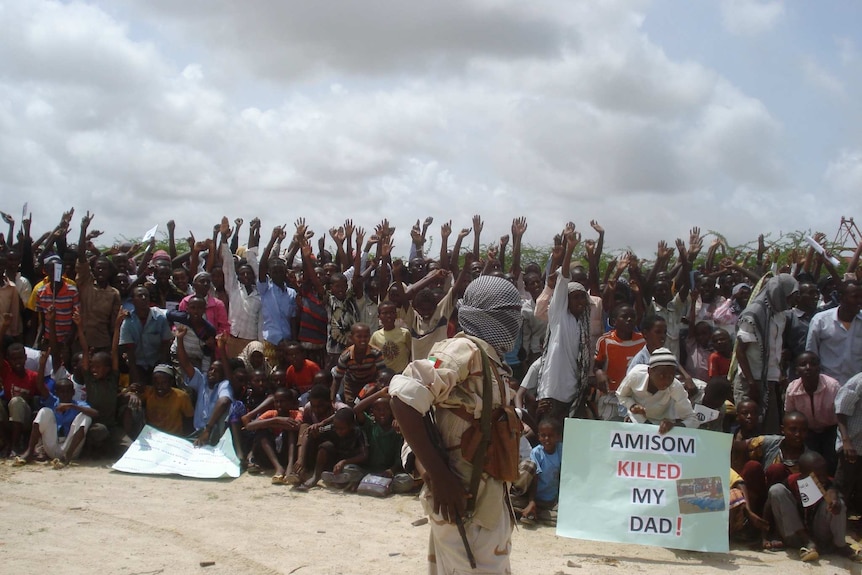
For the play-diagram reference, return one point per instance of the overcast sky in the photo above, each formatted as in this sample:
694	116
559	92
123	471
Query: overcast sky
738	116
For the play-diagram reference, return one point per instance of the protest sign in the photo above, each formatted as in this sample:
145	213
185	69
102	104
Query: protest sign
157	453
626	483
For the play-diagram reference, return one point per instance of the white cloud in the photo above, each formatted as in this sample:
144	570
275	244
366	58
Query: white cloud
818	76
751	17
553	110
844	173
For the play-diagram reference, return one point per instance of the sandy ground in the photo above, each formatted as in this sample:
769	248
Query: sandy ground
90	519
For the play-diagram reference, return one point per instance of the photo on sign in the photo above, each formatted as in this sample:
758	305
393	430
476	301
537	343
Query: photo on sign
700	495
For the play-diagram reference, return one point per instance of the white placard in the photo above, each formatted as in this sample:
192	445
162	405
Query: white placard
58	272
705	414
809	492
151	233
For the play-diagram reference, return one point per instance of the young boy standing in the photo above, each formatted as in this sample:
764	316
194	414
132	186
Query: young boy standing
394	343
358	365
614	351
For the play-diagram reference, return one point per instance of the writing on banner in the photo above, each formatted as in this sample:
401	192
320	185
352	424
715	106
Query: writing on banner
668	490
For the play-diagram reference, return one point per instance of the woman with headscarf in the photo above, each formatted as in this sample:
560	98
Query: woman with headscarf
450	384
568	354
759	341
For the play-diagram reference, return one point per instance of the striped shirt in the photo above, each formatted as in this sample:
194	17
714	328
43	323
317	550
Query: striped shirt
314	320
358	371
65	302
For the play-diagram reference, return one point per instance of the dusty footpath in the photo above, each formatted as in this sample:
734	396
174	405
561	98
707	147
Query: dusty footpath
90	519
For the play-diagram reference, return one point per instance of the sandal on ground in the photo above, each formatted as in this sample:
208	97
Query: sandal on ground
278	480
772	545
291	479
850	552
807	554
19	462
254	469
528	520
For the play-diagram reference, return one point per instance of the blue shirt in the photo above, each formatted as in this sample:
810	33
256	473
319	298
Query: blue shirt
547	472
64	420
207	397
277	308
146	337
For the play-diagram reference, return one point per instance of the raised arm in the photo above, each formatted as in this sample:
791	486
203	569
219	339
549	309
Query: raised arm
445	232
182	356
456	249
477	231
234	242
82	238
519	227
172	243
572	239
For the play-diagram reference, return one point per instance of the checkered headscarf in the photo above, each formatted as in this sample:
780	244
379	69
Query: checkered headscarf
491	311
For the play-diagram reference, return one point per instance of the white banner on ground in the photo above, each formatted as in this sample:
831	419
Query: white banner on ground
157	453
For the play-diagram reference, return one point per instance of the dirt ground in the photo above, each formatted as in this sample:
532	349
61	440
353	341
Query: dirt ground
90	519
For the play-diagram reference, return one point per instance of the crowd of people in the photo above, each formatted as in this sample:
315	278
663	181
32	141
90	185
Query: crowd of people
318	361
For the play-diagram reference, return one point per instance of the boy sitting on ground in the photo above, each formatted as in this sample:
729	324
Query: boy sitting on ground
337	446
384	441
165	407
547	457
822	525
275	433
60	428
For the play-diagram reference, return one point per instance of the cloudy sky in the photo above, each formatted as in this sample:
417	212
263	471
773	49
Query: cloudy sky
651	116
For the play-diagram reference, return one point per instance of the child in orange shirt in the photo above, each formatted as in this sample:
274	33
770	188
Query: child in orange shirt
614	350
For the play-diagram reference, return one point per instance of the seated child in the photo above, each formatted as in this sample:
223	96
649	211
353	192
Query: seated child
395	343
821	526
545	488
357	365
337	445
315	414
165	407
652	394
719	359
275	433
771	459
61	427
300	371
384	441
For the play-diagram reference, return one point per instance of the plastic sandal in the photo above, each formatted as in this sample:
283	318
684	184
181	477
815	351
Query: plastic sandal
807	554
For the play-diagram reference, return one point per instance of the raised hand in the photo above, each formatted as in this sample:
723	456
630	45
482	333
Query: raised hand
172	225
254	224
504	240
7	218
519	226
464	232
446	229
478	224
348	228
224	228
595	225
238	222
85	221
360	236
